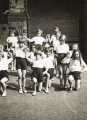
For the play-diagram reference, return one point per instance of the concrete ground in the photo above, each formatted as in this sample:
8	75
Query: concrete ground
57	105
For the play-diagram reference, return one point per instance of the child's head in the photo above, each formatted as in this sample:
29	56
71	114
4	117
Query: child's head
21	44
75	46
33	48
39	55
76	54
56	29
5	48
51	49
48	35
12	33
39	32
24	35
46	48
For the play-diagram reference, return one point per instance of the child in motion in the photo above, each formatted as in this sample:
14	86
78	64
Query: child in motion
76	67
4	62
21	66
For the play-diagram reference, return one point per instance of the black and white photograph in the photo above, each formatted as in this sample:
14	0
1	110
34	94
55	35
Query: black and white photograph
43	59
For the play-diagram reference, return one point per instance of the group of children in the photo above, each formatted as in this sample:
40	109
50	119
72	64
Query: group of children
46	56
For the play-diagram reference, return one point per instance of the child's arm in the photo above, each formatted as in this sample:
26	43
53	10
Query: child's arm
9	60
83	64
46	72
30	60
66	60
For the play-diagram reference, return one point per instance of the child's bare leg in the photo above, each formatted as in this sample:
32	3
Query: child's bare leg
35	86
24	80
3	82
48	83
1	88
70	85
77	84
65	82
40	86
20	81
70	81
65	75
61	76
14	64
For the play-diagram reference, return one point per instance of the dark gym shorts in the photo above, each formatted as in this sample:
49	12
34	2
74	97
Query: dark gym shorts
21	63
51	72
37	73
60	58
3	74
76	75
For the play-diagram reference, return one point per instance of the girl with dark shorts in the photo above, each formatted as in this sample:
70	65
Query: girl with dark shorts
76	67
49	68
37	74
21	66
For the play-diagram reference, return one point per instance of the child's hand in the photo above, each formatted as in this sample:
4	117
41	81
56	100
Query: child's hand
84	69
65	60
45	72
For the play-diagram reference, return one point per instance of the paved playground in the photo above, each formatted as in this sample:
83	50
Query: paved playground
57	105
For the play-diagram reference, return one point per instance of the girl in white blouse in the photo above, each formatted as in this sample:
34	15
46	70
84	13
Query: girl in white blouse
76	67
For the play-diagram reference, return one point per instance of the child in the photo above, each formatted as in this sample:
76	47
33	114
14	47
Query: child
74	47
12	41
65	63
77	65
61	52
48	39
55	37
49	67
37	74
30	56
25	39
21	66
38	39
4	62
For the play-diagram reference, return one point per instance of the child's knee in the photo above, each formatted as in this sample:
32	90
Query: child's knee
19	77
70	78
4	80
34	80
48	75
23	77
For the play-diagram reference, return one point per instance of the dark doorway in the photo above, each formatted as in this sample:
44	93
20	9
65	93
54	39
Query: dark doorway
46	14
